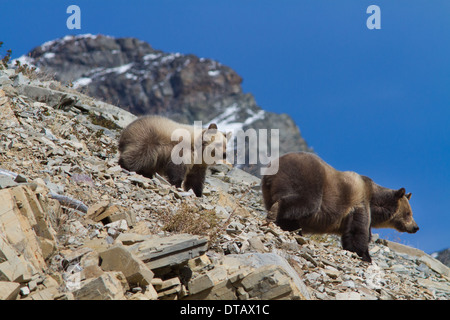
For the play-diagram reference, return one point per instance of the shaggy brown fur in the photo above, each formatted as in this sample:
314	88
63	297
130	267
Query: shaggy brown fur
145	147
308	193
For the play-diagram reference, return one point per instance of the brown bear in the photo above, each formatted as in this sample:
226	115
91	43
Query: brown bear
154	144
308	193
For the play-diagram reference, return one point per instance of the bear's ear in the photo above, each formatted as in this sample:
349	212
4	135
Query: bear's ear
212	126
400	193
408	196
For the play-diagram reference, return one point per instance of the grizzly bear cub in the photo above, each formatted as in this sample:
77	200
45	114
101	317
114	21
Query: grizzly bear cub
308	193
151	144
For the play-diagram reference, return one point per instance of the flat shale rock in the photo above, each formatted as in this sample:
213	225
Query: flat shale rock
108	286
160	252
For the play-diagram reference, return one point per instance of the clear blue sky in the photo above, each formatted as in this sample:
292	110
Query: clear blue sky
372	101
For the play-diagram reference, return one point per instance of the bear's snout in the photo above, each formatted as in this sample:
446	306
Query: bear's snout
413	229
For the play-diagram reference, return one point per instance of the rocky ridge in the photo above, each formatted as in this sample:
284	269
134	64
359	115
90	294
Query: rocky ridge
131	74
74	225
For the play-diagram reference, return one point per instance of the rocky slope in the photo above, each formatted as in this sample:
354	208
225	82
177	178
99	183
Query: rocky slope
131	74
74	225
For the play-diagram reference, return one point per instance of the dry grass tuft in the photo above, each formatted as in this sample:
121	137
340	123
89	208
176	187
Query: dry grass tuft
188	218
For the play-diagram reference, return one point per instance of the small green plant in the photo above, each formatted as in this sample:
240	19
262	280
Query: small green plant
25	69
103	122
99	133
5	60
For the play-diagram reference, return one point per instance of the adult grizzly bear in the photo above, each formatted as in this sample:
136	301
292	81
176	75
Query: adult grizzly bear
155	144
308	193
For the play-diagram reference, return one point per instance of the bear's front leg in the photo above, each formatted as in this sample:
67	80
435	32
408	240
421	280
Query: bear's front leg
195	180
356	233
175	174
273	213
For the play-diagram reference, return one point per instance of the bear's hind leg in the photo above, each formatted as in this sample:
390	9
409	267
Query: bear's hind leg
293	211
356	234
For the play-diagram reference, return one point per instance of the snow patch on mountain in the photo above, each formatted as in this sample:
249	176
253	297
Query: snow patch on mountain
228	120
24	60
82	82
48	44
120	69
